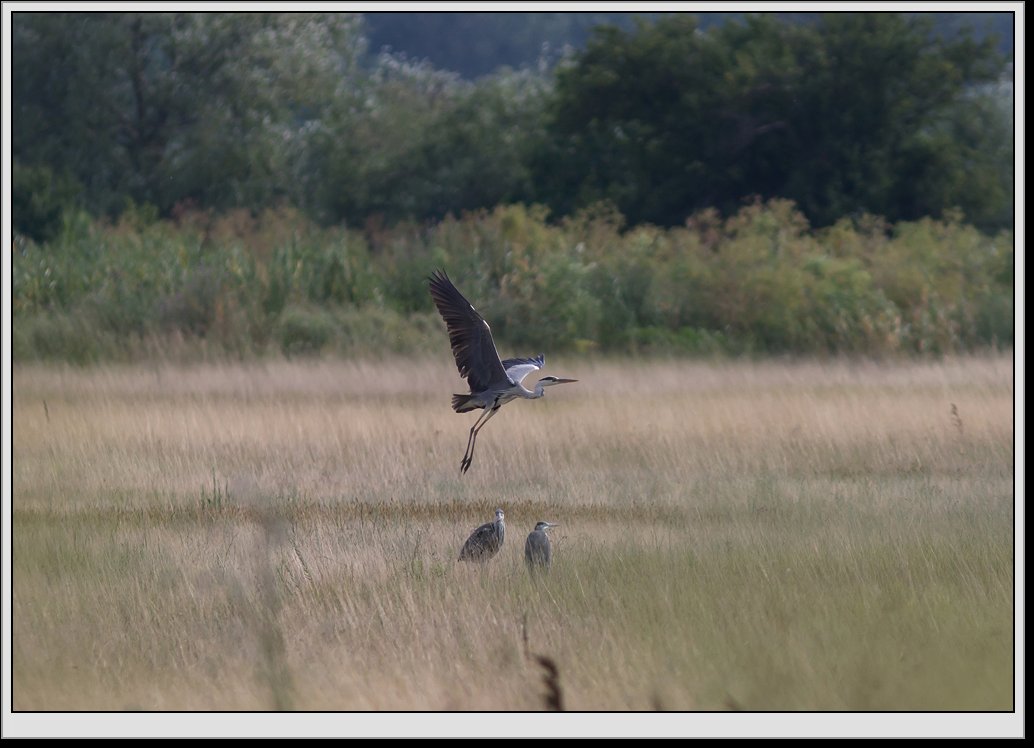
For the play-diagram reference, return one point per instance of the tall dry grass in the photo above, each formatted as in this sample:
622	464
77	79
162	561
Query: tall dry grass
759	536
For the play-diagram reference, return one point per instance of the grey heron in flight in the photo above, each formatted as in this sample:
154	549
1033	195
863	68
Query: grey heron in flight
485	541
538	553
493	382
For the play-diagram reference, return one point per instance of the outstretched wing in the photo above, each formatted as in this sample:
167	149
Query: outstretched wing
470	336
518	368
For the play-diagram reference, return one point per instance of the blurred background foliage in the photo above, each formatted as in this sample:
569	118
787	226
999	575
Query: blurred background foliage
241	183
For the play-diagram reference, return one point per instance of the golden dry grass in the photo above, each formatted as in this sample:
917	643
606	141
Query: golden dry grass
759	536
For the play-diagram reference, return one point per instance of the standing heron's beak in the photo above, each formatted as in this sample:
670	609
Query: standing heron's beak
564	381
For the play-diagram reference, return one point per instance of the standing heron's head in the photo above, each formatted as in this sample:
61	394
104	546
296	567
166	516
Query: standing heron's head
543	526
499	515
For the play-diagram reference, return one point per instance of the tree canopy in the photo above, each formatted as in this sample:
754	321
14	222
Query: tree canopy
858	113
852	113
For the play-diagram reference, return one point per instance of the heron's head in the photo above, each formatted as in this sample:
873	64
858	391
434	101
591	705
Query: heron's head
550	381
499	515
545	526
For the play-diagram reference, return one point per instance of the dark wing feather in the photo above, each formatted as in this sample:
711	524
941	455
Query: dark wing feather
470	336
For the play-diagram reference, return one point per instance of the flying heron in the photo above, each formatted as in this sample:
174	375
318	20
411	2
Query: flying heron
538	553
485	541
492	382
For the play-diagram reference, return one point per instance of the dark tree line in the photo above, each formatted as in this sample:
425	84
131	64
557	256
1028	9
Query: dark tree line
476	44
177	112
863	112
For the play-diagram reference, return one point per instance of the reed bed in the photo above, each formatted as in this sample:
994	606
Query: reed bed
759	536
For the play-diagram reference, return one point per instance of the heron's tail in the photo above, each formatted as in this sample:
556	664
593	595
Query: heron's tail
462	403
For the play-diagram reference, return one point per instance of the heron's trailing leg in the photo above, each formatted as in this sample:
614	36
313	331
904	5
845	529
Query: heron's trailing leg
468	456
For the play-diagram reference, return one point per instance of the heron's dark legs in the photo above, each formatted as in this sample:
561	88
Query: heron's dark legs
470	438
468	456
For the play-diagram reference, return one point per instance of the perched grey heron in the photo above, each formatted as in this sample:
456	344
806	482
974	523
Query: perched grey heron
538	553
493	382
485	541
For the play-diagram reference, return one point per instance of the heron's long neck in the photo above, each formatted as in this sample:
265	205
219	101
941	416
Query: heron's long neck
532	394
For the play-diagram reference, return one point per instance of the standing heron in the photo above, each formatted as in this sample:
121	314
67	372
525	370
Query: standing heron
493	382
538	553
485	541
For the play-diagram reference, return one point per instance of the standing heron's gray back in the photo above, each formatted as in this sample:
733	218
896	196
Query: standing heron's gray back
472	346
537	549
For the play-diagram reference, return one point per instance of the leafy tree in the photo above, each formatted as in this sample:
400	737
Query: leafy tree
425	143
875	88
477	44
970	158
856	113
163	108
849	113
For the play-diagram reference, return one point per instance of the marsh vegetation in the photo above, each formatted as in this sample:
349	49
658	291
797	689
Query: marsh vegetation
829	535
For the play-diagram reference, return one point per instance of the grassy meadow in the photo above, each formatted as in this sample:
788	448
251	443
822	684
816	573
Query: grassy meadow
776	535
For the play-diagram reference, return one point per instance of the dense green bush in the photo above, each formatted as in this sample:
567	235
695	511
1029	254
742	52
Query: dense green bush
760	281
